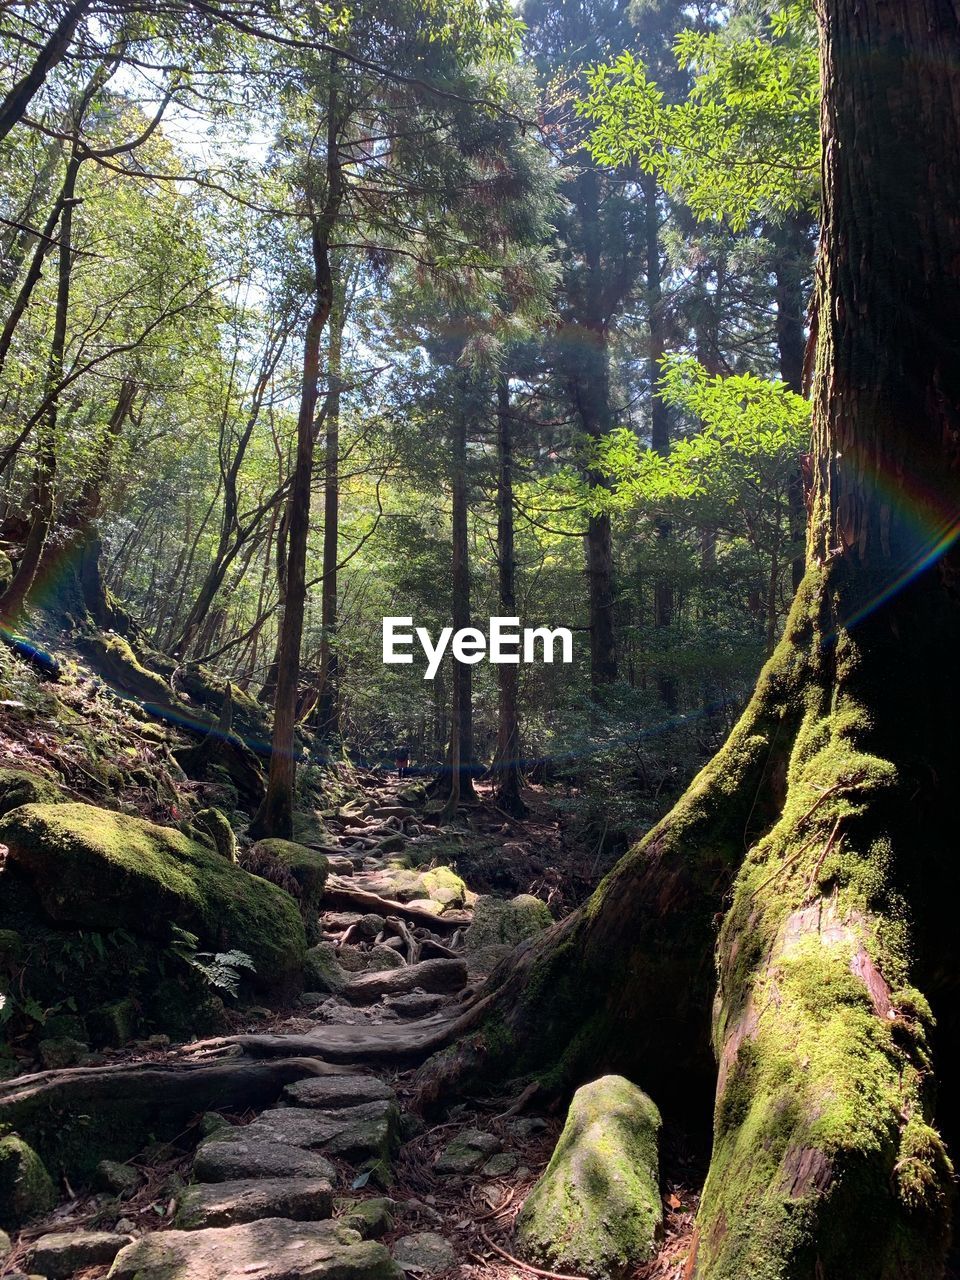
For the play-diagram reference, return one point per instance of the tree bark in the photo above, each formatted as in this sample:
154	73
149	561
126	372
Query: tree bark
327	714
14	105
507	767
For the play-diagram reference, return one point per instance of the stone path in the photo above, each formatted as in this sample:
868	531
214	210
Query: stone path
302	1191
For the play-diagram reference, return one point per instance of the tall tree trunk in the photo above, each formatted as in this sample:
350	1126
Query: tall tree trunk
507	768
327	714
790	267
663	602
589	385
461	732
838	924
275	816
43	500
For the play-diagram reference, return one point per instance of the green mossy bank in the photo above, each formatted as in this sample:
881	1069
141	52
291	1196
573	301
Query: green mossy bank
92	869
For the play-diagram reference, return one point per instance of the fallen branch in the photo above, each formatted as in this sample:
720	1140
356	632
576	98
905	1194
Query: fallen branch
341	897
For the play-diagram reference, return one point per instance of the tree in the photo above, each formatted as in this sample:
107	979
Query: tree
836	937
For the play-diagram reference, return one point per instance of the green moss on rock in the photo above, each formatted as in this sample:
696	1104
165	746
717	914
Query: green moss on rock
308	867
215	825
19	786
103	870
321	972
26	1189
596	1210
499	923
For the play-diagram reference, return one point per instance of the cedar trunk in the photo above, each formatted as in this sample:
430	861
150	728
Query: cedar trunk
821	838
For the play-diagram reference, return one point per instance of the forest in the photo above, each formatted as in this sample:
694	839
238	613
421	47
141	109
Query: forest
479	505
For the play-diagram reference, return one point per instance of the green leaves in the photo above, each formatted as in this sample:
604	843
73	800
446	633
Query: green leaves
745	142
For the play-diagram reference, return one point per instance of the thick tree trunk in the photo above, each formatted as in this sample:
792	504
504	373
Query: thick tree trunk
838	781
507	767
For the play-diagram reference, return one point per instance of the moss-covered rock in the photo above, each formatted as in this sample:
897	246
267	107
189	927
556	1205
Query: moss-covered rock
308	867
115	1023
19	786
26	1189
500	923
103	870
321	972
596	1210
215	825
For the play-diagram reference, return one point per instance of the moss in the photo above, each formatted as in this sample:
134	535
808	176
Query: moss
115	1023
26	1189
215	825
496	921
444	885
321	972
103	870
596	1209
308	867
824	1160
18	786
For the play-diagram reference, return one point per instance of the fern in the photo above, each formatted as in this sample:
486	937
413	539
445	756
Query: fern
220	969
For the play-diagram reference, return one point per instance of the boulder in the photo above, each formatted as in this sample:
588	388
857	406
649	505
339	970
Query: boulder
97	869
62	1051
442	976
596	1210
222	1204
308	867
425	1253
366	1132
227	1159
26	1189
506	923
271	1249
59	1256
330	1093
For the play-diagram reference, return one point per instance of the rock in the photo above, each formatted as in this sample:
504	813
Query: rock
212	1122
221	1204
425	1253
322	971
370	1218
496	922
369	926
26	1189
340	921
391	844
59	1256
308	867
466	1152
330	1093
427	904
339	865
118	1179
417	1004
525	1127
429	975
114	1024
215	824
499	1166
226	1160
366	1132
271	1249
19	786
6	1244
596	1210
63	1052
381	956
394	811
482	961
97	869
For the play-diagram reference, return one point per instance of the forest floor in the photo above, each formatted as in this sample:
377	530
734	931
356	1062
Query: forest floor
442	1197
446	1204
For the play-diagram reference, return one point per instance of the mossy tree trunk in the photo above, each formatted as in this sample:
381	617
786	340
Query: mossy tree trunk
821	839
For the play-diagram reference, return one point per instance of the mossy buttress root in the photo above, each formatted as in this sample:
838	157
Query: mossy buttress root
626	984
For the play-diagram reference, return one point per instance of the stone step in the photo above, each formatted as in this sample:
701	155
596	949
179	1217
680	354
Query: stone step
355	1134
223	1204
270	1249
60	1254
230	1159
330	1093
